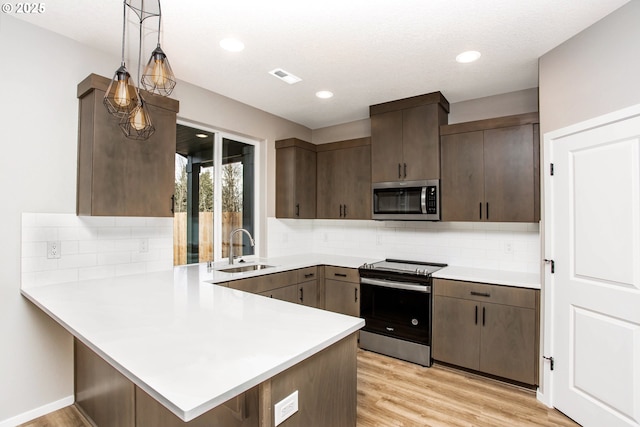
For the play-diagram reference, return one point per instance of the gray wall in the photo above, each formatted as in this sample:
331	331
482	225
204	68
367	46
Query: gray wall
506	104
593	73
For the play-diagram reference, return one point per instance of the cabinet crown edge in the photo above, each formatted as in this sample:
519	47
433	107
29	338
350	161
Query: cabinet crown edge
493	123
94	81
413	101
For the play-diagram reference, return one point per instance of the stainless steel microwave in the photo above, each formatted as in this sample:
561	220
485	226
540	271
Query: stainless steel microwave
407	200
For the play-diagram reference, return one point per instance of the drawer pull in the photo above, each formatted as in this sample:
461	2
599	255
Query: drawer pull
481	294
306	276
340	274
389	329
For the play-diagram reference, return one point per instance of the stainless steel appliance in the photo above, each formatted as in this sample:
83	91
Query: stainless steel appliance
396	304
406	200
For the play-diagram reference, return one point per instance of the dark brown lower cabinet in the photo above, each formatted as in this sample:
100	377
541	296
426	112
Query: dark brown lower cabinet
326	383
488	328
298	286
342	290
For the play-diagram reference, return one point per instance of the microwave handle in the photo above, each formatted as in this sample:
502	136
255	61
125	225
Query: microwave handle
423	200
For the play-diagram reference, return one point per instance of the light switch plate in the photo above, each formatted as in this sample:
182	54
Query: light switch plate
285	408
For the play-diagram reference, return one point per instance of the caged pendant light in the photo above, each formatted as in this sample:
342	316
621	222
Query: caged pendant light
121	96
158	76
124	99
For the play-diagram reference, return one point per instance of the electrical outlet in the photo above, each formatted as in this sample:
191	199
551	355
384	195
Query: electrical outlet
286	408
143	246
508	248
53	249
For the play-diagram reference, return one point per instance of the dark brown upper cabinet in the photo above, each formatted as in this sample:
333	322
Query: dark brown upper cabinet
344	179
405	138
295	179
490	170
119	176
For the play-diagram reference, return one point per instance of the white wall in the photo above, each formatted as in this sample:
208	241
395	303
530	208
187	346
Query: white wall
593	73
40	72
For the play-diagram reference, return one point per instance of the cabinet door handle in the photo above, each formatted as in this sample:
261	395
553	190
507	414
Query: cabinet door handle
483	316
356	295
399	171
301	295
480	209
340	274
306	276
297	209
173	203
405	170
480	294
345	211
487	210
476	314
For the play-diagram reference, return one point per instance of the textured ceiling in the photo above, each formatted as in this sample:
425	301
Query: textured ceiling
365	51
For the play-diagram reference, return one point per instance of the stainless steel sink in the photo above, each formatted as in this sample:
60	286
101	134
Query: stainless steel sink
244	268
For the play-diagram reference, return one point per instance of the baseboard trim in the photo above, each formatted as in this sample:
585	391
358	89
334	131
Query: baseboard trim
37	412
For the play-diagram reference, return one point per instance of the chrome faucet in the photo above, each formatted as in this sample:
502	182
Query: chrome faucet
253	243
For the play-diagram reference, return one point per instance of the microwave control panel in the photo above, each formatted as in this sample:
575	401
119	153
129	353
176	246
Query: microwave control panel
432	199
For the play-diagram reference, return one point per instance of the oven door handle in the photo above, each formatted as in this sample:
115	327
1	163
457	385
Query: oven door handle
426	289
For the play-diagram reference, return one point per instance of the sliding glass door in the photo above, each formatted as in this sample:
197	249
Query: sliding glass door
215	182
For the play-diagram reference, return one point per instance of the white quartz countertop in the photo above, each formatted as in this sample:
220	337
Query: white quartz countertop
188	343
193	345
495	277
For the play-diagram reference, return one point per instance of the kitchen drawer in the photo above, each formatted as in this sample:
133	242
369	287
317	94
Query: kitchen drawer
482	292
265	282
306	274
341	273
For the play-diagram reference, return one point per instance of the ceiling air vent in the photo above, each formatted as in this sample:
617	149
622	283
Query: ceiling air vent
285	76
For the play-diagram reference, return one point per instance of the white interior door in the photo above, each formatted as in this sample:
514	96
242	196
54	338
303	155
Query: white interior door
594	237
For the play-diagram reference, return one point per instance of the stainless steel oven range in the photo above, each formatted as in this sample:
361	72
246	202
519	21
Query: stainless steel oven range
396	305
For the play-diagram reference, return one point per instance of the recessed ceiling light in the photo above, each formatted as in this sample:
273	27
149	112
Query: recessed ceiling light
324	94
232	45
285	76
468	56
201	135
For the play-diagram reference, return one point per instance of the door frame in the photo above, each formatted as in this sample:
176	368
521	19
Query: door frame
545	391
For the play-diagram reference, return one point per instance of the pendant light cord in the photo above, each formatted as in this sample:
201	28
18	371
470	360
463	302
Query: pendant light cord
139	56
124	26
159	21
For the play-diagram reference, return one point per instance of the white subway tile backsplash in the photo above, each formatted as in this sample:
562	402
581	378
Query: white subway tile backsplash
92	247
471	244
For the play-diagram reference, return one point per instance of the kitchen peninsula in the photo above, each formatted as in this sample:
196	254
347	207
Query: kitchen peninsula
171	347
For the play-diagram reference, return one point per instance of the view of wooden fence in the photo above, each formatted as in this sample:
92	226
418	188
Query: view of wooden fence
230	221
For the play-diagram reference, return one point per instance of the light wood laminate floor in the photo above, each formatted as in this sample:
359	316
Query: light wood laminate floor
394	393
